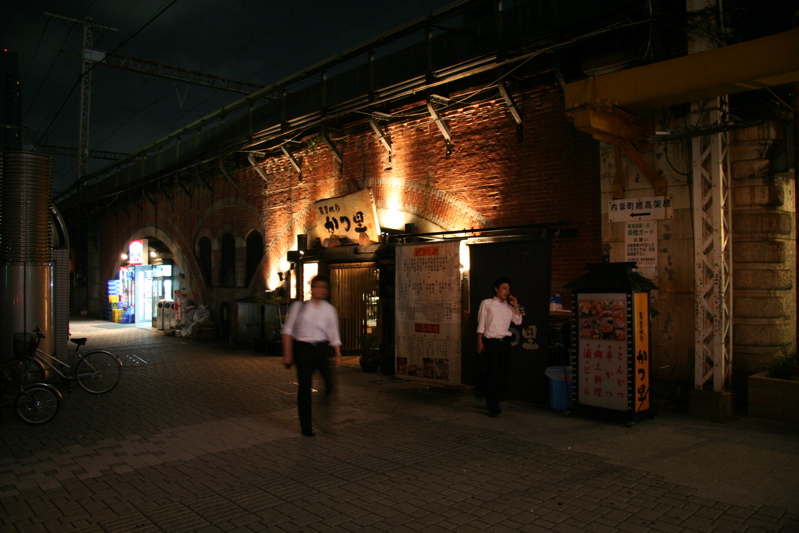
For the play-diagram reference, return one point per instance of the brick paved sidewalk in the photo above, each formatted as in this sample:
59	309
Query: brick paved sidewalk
204	437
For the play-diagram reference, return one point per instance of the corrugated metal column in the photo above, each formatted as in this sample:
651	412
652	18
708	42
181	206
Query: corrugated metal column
712	232
25	248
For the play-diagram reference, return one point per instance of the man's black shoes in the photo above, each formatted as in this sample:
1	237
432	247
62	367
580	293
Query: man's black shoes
308	433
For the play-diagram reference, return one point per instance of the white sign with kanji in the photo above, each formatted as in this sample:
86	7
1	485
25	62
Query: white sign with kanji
640	243
636	209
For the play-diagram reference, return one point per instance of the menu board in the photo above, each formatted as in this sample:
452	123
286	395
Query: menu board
428	312
602	357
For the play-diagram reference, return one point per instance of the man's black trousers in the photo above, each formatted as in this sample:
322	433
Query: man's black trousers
496	366
307	358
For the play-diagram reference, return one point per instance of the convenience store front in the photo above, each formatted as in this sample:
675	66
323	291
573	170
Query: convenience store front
147	288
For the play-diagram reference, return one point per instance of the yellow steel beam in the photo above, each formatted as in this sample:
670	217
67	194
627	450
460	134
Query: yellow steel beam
755	64
611	121
617	127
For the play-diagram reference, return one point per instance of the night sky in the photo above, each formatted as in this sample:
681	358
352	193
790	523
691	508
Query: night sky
255	41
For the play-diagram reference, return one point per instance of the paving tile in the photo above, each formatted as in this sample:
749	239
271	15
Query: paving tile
204	437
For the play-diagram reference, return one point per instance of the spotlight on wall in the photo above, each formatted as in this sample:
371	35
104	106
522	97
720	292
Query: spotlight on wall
123	256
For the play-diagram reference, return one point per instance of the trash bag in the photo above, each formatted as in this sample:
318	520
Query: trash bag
201	315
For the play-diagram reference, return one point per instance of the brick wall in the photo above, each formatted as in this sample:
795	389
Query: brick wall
489	179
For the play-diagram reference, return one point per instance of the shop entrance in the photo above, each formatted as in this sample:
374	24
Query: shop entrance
354	291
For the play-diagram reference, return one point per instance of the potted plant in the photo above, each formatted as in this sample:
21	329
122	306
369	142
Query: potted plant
774	393
370	352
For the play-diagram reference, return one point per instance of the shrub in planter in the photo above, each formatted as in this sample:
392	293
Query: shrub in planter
774	393
783	367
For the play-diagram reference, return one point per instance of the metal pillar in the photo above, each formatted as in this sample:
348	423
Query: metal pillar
713	252
712	223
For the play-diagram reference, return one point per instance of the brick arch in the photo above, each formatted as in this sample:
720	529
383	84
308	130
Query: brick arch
424	201
187	262
228	202
203	232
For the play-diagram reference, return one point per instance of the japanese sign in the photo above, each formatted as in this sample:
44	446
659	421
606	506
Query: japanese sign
428	312
602	359
138	252
641	351
347	216
640	243
647	208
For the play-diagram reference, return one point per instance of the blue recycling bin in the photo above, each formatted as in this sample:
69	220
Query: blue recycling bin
561	387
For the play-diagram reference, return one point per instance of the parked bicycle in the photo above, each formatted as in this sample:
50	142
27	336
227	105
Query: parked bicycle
97	371
35	403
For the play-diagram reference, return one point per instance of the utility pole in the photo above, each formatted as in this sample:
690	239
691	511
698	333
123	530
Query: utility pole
91	57
85	98
85	88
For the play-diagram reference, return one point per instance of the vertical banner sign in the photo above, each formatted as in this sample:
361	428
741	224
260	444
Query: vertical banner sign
176	294
428	312
602	359
641	351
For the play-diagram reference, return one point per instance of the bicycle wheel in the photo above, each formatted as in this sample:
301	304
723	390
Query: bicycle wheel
37	403
98	371
32	371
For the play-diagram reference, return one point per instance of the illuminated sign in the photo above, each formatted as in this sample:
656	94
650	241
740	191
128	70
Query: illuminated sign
351	216
602	359
138	252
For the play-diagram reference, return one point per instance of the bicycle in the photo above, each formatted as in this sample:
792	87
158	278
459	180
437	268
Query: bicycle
35	403
97	371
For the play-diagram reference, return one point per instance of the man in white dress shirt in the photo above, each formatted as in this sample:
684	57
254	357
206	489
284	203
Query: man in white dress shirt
493	342
311	329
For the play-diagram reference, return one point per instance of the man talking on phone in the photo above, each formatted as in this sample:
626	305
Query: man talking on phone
494	342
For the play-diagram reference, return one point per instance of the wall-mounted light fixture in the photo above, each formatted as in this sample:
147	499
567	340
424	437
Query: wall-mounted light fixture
123	256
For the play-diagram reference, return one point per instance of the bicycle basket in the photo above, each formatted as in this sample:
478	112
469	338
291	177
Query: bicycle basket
24	344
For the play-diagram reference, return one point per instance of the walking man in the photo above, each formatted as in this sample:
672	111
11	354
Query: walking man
311	329
493	342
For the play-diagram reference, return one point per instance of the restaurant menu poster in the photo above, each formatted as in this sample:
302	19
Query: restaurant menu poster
428	312
602	357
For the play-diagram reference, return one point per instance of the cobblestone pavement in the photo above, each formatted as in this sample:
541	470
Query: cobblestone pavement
205	437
